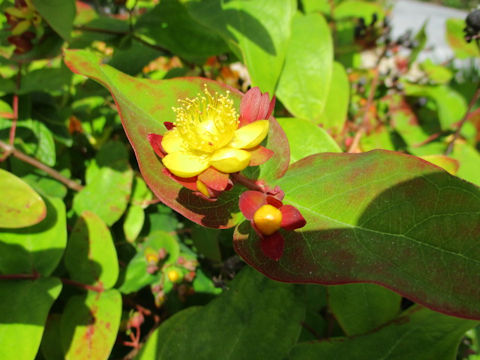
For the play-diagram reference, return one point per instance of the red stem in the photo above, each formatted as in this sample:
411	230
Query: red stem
248	183
13	129
36	275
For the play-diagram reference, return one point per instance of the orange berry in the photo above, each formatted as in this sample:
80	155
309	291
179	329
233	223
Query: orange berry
267	219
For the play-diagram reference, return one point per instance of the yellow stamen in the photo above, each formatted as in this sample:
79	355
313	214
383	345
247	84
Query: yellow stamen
206	123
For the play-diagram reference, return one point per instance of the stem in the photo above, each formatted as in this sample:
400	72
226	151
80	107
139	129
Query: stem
373	88
473	100
124	33
13	129
248	183
82	286
20	276
36	275
10	150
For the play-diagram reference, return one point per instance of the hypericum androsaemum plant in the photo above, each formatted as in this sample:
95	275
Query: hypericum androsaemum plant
254	116
364	213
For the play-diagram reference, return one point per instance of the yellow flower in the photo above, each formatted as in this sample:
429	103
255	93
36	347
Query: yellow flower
207	133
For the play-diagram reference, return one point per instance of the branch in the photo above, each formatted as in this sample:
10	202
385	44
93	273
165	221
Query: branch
473	100
36	275
10	150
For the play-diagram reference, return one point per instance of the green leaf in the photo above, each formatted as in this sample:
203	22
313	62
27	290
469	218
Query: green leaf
355	9
90	257
144	105
360	308
418	334
49	346
255	314
133	224
136	274
170	25
257	31
421	39
379	217
36	248
46	79
469	160
305	80
311	6
109	183
336	105
436	73
20	205
206	242
89	325
59	14
456	39
451	106
306	138
24	306
33	138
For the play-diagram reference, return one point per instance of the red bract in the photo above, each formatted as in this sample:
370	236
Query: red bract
211	182
271	244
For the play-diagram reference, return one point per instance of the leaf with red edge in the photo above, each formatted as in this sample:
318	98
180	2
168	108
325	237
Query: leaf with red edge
144	105
379	217
89	325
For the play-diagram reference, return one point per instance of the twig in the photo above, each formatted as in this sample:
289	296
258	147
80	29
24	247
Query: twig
248	183
13	128
125	33
82	286
10	150
36	275
366	112
473	100
373	88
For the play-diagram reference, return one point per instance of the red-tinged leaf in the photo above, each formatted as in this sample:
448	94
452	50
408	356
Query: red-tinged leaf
260	155
291	218
144	105
250	201
379	217
156	142
89	325
214	179
272	246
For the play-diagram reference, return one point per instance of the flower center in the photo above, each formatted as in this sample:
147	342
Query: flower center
206	123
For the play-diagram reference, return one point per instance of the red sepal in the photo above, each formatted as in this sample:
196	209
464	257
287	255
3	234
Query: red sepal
189	183
214	179
271	200
272	246
169	125
250	201
255	106
156	142
260	155
291	218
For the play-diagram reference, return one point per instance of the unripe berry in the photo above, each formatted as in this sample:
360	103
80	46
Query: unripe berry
267	219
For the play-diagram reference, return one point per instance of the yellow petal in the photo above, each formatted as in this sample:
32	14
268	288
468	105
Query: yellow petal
185	164
230	160
250	135
172	142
